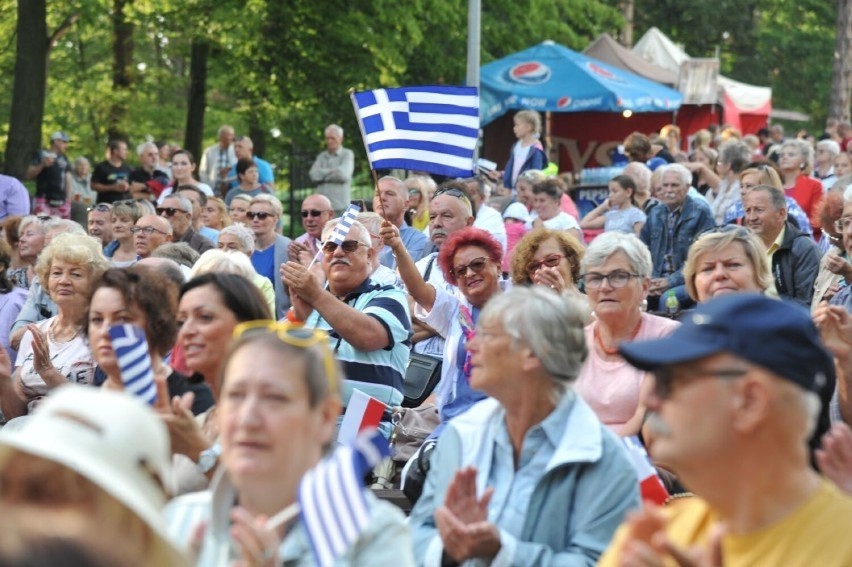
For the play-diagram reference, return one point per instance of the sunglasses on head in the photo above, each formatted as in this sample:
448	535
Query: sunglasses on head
348	246
475	266
259	215
170	211
312	213
100	207
297	336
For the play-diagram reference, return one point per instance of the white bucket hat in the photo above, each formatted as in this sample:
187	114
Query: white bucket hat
111	438
516	211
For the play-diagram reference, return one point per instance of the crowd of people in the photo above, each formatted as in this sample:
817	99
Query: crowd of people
703	309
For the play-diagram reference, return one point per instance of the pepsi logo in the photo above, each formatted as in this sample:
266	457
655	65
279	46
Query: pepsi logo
598	70
530	73
563	102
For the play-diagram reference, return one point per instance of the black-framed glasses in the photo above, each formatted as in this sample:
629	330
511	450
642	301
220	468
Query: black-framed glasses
312	213
842	223
616	279
100	207
169	211
551	261
297	336
261	215
664	379
149	230
475	266
330	247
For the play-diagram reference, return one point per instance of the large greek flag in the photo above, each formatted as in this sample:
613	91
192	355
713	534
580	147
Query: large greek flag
433	129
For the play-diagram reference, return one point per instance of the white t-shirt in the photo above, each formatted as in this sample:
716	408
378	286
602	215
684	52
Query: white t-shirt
73	359
519	153
489	220
562	221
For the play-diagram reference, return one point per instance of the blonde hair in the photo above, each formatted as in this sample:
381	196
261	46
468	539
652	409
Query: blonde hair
79	249
532	118
713	241
224	262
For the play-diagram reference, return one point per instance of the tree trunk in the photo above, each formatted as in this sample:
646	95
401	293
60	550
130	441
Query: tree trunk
627	32
122	70
197	97
30	86
841	76
258	136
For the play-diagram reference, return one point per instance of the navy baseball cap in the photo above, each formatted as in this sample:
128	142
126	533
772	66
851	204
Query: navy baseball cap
60	136
774	334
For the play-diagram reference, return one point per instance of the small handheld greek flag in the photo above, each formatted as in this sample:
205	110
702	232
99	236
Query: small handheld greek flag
338	235
425	128
134	361
331	496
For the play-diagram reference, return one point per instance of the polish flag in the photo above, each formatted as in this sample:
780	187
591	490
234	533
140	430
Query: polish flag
362	412
650	484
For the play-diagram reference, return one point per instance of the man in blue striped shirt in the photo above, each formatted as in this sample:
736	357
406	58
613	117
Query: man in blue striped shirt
369	324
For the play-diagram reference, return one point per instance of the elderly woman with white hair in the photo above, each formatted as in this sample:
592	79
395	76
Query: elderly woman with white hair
617	274
234	262
826	151
796	160
734	156
509	484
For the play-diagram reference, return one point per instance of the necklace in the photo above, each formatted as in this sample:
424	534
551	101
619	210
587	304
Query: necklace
613	351
53	339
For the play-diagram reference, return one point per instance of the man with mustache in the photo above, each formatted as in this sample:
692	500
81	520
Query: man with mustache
737	392
670	230
368	323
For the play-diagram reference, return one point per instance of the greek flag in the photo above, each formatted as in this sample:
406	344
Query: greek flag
433	129
331	496
338	234
134	361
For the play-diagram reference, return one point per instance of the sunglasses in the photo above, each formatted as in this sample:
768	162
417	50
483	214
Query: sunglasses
297	336
349	246
100	207
261	215
312	213
551	261
170	211
149	230
475	266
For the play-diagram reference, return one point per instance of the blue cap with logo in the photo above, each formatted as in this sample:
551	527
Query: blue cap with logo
774	334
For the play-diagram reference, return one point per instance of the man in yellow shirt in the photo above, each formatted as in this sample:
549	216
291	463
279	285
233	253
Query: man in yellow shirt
735	398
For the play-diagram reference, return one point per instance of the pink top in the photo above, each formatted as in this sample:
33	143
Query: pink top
611	386
514	232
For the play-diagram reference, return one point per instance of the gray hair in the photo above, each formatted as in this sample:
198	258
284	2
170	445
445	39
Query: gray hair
550	324
67	226
334	128
736	154
830	145
400	184
805	150
223	262
140	149
641	176
329	226
180	252
610	242
31	219
243	234
224	128
185	203
681	171
270	200
776	196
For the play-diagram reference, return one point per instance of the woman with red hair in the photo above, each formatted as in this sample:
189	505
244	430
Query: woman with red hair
829	279
470	259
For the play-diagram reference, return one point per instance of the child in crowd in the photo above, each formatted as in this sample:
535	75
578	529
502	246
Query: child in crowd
618	212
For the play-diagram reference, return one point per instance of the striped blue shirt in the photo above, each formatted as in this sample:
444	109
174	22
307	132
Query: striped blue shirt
378	373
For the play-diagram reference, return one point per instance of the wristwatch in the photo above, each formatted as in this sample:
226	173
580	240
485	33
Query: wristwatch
208	458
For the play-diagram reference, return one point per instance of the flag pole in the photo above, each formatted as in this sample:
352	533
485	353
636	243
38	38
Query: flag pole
283	516
366	149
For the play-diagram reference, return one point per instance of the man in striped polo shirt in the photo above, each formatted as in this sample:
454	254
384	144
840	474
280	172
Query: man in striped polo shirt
368	324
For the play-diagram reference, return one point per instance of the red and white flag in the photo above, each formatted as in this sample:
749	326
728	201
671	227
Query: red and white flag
650	484
362	412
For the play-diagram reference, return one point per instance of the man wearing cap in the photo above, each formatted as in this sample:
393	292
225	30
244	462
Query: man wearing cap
50	168
735	396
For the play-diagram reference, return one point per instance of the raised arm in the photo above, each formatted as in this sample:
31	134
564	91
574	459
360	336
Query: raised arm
422	292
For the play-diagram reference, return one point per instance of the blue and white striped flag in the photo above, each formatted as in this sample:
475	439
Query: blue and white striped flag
331	496
432	129
339	233
134	361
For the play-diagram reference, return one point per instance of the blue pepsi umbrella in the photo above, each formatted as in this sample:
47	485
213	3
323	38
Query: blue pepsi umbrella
552	77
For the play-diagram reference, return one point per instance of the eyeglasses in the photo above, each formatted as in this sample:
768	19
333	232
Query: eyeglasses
842	223
149	230
475	266
617	279
551	261
260	215
312	213
170	211
664	379
348	246
297	336
100	207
